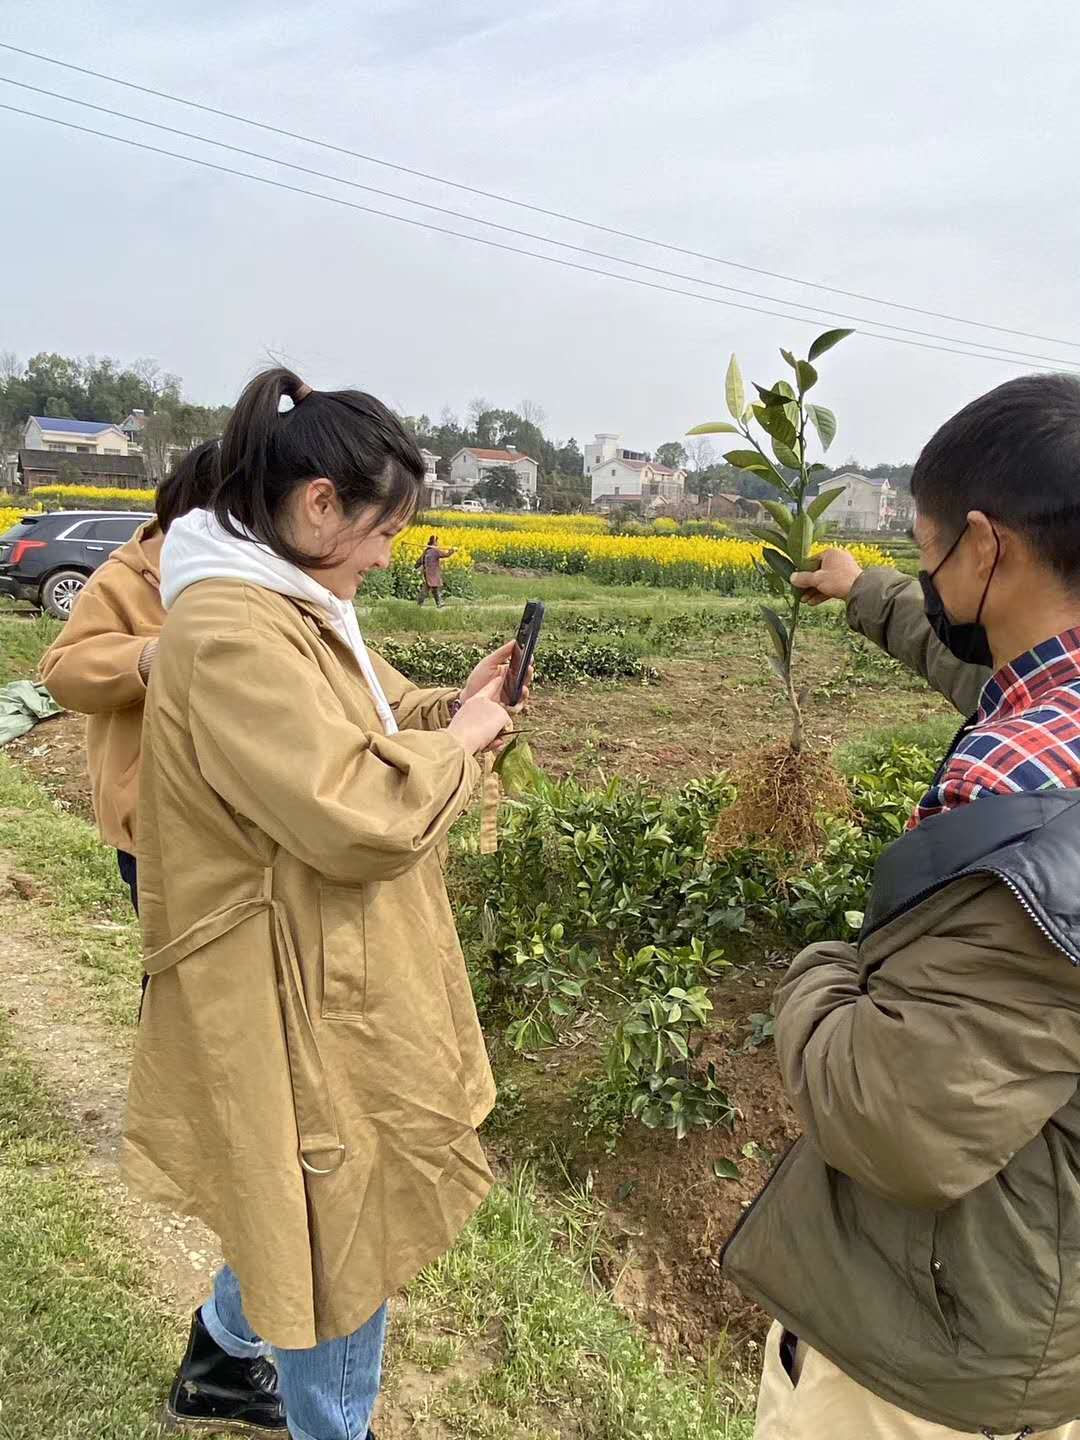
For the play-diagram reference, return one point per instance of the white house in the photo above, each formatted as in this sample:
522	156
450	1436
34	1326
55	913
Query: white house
866	504
434	488
619	475
77	437
470	465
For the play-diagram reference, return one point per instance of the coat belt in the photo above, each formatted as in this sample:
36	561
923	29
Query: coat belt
315	1119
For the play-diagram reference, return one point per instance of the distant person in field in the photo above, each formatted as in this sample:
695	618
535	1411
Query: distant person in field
309	1072
918	1247
430	565
100	663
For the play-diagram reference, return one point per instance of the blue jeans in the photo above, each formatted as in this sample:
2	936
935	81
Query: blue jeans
330	1390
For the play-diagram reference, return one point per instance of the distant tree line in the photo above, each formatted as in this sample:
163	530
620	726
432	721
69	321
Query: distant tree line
89	388
561	482
92	388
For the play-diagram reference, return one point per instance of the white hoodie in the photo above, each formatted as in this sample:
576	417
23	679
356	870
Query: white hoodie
198	548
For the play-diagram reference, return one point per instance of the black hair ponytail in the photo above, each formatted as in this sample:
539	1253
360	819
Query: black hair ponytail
344	436
189	485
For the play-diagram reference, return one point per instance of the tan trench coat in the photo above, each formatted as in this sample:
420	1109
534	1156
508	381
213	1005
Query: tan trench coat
309	1071
93	667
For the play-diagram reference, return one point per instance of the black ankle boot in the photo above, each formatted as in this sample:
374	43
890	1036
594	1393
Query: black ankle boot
213	1392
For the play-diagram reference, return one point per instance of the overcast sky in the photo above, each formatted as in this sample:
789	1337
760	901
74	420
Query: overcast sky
924	153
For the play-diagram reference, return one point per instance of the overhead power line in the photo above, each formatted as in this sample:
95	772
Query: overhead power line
496	244
536	209
506	229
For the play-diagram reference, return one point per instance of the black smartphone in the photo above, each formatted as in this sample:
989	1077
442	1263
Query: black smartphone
524	649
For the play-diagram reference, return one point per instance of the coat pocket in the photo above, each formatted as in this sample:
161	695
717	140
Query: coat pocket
344	952
935	1307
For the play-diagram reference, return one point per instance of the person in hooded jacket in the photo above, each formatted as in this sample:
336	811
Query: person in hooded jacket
100	663
917	1247
309	1071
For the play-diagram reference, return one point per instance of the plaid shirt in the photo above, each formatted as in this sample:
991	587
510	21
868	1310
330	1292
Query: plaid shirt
1026	735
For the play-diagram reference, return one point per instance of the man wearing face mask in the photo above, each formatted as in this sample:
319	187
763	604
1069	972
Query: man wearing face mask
918	1247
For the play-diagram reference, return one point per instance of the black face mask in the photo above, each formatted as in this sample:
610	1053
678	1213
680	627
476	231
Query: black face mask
967	642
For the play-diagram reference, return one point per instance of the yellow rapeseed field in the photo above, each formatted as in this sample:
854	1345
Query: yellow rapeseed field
11	515
104	495
492	520
675	561
562	544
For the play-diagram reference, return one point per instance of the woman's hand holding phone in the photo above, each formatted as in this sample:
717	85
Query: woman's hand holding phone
481	720
497	664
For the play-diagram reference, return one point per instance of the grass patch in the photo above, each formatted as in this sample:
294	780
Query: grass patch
501	585
567	1352
934	735
22	644
83	1349
87	903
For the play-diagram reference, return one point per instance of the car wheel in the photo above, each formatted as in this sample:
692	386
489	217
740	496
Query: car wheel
60	592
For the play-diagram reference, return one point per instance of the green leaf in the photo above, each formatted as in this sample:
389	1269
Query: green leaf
800	538
780	563
726	1170
776	422
806	375
517	770
786	455
854	918
778	633
824	422
817	507
748	460
772	581
776	397
789	358
735	390
770	534
827	341
780	670
715	427
780	513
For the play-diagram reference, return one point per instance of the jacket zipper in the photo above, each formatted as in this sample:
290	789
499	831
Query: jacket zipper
1039	924
1009	884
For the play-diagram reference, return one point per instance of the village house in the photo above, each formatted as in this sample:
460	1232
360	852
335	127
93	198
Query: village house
74	437
55	467
620	476
727	505
434	487
865	504
471	464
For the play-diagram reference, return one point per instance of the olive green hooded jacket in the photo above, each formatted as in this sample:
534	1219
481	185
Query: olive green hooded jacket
924	1234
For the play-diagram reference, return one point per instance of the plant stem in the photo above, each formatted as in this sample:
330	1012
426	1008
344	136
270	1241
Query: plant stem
795	600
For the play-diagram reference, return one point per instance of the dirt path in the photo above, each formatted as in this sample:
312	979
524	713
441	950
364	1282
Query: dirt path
85	1065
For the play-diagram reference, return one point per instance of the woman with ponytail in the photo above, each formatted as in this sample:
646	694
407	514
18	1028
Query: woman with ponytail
309	1072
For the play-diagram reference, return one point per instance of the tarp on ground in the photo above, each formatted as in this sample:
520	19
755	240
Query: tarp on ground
22	706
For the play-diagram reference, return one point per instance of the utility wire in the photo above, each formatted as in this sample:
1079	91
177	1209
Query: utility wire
536	209
508	229
498	244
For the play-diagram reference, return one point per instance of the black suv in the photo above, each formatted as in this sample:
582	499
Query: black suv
47	559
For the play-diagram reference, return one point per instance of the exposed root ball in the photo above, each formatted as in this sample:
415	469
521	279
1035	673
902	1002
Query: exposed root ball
781	800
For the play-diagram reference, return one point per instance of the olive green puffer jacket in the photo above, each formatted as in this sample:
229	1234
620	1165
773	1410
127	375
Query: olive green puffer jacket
924	1234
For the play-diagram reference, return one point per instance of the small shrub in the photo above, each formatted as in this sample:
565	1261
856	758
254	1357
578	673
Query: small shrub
653	1054
431	661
